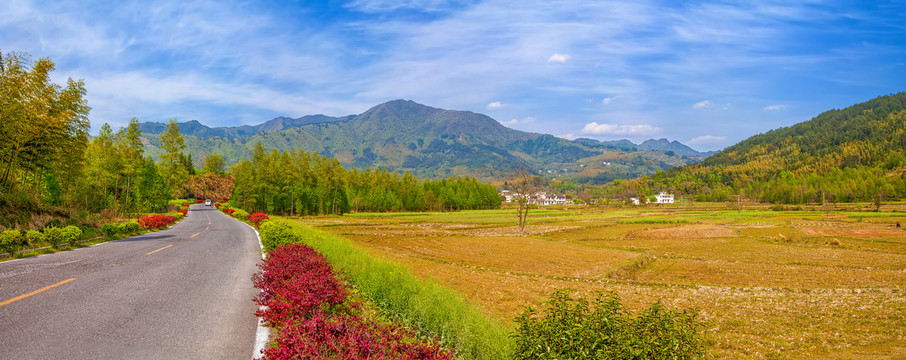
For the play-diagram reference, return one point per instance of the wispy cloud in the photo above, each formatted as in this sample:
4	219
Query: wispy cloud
594	128
774	107
560	58
707	140
701	104
515	122
494	105
608	100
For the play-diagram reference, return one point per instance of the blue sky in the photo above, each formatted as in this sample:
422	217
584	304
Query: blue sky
706	73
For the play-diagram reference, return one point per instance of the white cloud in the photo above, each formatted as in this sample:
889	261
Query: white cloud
707	140
560	58
702	104
523	121
494	105
593	128
774	107
608	100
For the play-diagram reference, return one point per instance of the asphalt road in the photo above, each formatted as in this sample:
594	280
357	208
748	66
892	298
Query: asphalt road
184	292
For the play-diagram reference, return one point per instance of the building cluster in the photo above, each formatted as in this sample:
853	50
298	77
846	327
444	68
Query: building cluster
538	198
662	198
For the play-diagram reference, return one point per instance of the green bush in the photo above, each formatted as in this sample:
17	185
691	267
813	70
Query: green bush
575	329
110	229
11	241
35	238
72	234
276	233
129	228
53	235
240	214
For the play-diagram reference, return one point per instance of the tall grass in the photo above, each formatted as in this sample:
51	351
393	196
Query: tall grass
423	304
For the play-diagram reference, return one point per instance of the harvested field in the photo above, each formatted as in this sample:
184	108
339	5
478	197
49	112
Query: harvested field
787	284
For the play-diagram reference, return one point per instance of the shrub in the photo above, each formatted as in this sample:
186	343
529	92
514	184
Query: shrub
240	214
184	212
277	233
155	221
11	241
229	211
71	234
35	238
178	216
303	298
110	229
129	228
574	329
53	235
199	201
217	205
185	205
257	218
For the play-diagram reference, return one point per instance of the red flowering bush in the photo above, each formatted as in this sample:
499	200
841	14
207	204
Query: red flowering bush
185	205
229	211
155	221
306	302
257	218
217	205
199	201
184	212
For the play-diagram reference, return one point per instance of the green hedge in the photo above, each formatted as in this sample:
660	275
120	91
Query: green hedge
427	306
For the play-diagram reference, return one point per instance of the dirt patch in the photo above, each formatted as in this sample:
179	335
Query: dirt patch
695	231
859	233
514	230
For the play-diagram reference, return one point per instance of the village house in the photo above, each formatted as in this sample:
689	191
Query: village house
539	198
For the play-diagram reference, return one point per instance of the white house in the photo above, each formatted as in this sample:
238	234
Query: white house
634	201
664	198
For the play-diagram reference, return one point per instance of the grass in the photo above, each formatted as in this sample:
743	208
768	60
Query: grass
424	304
771	284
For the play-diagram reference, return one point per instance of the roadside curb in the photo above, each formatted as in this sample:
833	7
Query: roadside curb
262	333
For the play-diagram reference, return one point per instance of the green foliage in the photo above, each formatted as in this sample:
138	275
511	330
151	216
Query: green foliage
53	235
277	233
850	155
240	214
71	234
173	160
425	305
576	329
11	241
110	229
35	238
129	228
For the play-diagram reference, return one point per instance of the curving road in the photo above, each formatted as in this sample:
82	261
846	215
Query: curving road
183	292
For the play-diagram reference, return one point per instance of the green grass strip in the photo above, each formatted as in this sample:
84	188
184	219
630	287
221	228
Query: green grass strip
423	304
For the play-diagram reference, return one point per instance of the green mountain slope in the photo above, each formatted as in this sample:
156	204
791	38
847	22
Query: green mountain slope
853	154
429	142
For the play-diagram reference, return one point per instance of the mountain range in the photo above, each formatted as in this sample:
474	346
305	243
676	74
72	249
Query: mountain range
430	142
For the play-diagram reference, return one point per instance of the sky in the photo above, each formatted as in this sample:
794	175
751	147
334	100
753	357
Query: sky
706	73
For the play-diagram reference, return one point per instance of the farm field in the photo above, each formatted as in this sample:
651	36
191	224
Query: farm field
769	284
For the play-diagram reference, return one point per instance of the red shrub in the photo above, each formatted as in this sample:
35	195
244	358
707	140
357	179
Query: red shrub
257	218
217	205
305	301
186	204
184	211
229	211
199	201
155	221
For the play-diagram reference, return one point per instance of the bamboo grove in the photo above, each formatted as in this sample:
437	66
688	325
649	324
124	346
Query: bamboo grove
298	182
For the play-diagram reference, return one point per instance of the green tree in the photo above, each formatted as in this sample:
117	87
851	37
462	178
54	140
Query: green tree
172	159
214	164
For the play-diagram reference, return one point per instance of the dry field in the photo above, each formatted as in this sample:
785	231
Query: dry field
769	284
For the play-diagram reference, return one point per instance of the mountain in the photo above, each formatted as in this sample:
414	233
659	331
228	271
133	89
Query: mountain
853	154
430	142
666	145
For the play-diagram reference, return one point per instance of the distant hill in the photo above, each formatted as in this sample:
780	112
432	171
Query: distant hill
430	142
853	154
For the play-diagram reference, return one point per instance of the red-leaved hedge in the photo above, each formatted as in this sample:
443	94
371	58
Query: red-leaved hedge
155	221
229	211
306	303
257	218
183	211
186	204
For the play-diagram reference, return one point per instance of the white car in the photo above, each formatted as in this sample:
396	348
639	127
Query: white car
207	202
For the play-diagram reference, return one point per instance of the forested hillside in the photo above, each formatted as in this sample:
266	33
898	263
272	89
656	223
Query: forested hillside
432	143
853	154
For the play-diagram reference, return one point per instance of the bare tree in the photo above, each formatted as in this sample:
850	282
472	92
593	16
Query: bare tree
524	185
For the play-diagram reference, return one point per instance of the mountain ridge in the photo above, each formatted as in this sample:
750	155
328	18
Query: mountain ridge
431	142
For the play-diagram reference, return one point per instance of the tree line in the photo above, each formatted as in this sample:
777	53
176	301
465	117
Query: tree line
298	182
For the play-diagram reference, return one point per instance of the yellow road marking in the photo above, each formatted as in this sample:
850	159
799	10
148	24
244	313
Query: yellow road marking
20	297
196	234
208	228
159	249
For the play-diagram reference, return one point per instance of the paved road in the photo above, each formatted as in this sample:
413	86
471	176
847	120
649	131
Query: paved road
184	292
